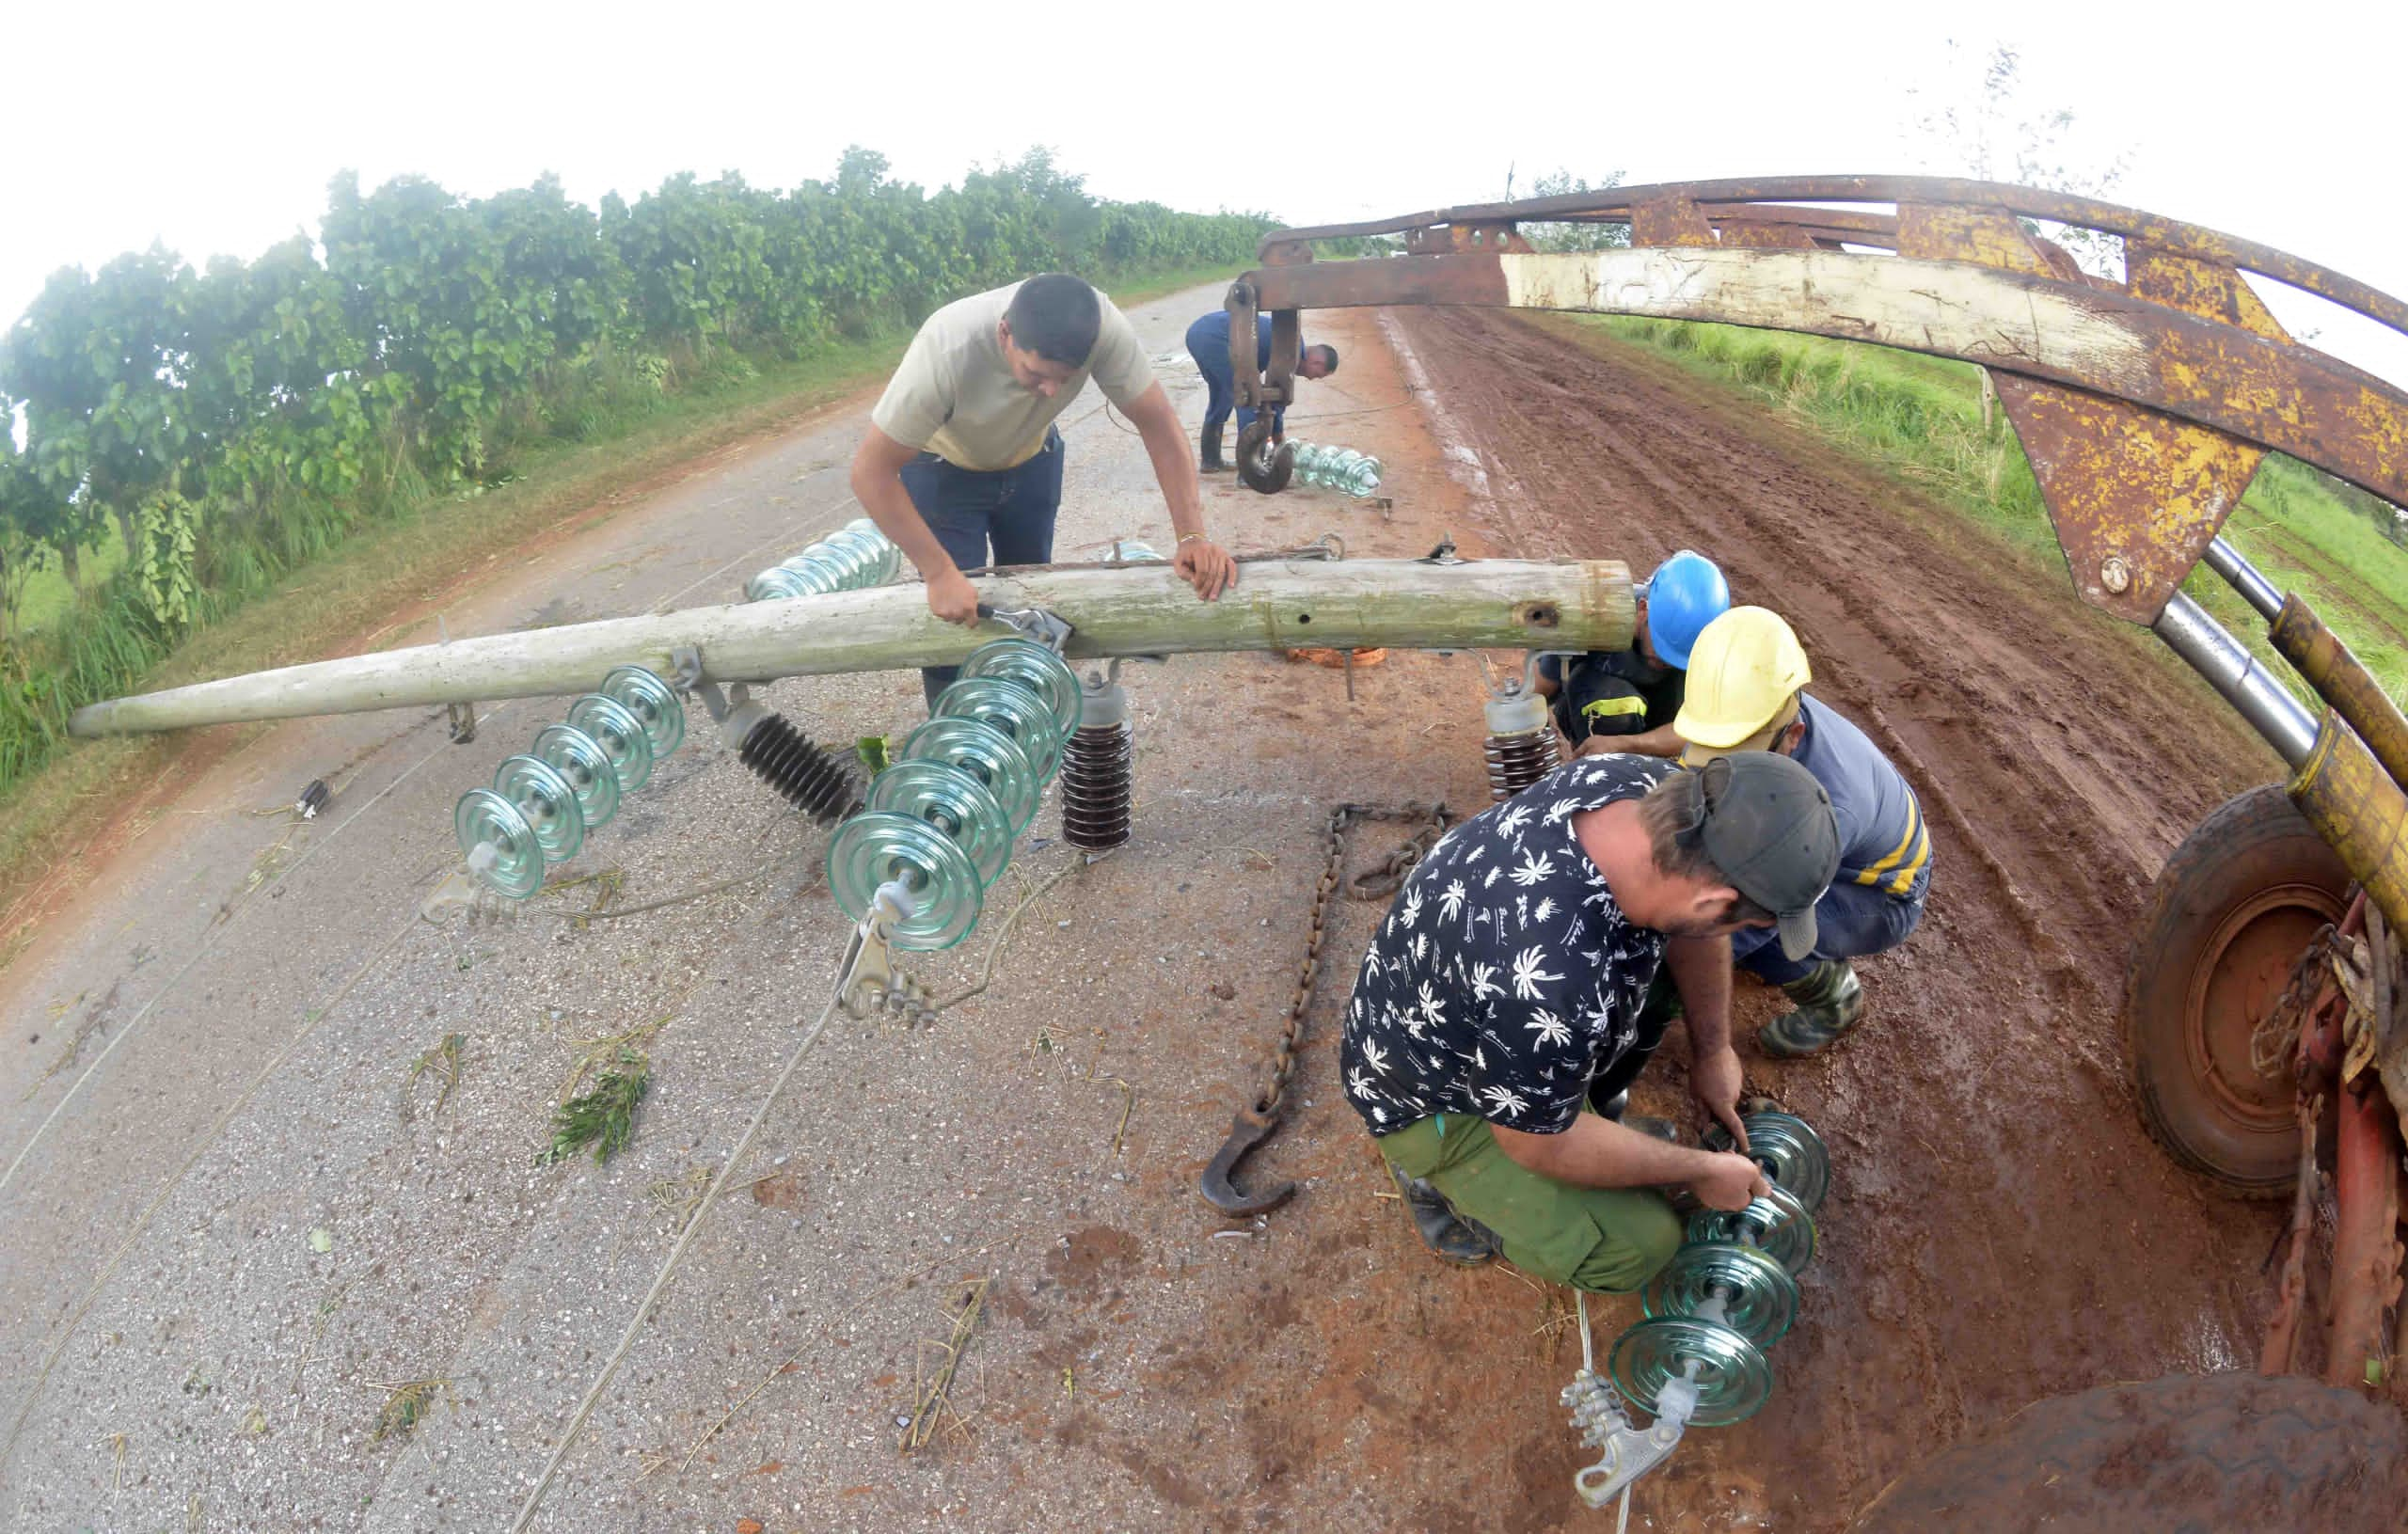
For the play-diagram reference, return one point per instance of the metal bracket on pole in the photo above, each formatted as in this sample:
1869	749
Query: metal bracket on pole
461	716
1032	623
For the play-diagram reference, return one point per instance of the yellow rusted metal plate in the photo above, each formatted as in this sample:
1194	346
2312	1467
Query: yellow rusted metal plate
1673	220
2135	495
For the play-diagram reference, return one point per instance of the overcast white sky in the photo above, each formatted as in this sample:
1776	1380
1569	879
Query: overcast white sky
216	128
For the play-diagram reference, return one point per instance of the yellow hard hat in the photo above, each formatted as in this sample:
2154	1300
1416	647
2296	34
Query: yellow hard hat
1744	675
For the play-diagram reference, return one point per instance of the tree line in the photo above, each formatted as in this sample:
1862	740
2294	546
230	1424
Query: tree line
425	334
226	424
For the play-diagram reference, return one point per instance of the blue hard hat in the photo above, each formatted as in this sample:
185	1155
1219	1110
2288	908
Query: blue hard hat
1686	593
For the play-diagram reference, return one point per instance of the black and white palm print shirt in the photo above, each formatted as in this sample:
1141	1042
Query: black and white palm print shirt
1505	975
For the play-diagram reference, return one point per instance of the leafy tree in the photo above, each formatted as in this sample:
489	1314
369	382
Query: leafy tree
1989	134
96	360
1570	236
29	516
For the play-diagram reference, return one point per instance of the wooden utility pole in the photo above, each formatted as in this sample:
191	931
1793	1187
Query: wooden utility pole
1139	610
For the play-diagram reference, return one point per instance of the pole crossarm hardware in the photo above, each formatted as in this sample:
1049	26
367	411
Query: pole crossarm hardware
1142	609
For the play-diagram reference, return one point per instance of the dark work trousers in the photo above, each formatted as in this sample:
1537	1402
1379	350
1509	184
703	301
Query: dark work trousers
1208	344
1010	510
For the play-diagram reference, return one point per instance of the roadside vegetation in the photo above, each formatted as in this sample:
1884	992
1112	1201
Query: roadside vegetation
232	469
188	441
1921	420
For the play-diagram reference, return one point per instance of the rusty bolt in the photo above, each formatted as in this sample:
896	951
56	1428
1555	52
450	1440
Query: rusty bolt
2116	574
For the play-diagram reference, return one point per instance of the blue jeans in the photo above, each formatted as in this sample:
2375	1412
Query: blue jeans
1850	921
1011	510
1212	355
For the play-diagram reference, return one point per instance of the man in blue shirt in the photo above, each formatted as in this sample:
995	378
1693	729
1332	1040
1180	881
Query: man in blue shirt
1208	342
1745	693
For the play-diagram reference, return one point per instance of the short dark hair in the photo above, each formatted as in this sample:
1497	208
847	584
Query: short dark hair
1056	316
1329	354
1674	813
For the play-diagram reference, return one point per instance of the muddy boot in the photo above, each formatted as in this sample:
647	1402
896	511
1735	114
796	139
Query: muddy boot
1210	461
1614	1108
1451	1239
1828	1000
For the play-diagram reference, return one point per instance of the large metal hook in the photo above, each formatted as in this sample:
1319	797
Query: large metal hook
1249	1128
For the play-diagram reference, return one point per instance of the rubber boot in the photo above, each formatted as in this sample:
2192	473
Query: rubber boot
1615	1109
1451	1239
1828	1002
1210	461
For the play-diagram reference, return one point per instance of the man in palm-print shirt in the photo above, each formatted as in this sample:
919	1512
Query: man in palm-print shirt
1503	993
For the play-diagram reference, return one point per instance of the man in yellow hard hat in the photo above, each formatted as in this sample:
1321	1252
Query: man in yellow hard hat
1746	680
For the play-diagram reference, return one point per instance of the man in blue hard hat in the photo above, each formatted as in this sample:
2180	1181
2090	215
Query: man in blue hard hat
1208	342
1623	700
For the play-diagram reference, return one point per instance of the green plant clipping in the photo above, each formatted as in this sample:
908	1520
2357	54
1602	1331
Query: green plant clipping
872	749
406	1405
442	1062
603	1119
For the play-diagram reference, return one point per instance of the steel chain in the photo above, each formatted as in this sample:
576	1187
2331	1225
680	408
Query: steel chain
2274	1042
1372	885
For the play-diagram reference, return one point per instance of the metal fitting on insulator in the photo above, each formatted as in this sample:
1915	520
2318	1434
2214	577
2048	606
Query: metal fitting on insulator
1521	743
1098	767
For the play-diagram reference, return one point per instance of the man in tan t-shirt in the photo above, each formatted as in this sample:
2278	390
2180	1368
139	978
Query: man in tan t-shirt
962	466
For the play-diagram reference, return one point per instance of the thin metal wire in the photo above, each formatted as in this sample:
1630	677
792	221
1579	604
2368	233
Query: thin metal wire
668	1266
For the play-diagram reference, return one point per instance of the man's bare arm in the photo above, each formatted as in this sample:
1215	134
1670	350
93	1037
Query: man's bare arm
1597	1153
1201	563
877	484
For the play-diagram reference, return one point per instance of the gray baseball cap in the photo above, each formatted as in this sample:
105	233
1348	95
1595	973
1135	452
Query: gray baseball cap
1768	828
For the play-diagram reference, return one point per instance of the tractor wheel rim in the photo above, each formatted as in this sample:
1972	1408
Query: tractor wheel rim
2249	960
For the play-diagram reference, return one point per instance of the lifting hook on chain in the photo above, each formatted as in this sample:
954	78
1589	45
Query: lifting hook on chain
1249	1128
1259	1120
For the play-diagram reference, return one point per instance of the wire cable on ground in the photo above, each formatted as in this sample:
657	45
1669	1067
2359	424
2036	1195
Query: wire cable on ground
727	1168
207	948
225	927
994	949
668	1266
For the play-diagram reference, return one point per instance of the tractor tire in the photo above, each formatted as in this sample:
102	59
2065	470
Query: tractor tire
2227	918
2188	1454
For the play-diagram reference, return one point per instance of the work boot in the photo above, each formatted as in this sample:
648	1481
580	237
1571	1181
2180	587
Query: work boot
1210	461
1615	1108
1828	1000
1453	1239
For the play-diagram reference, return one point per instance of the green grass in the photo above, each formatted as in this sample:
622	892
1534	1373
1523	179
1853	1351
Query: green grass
48	595
364	568
1919	419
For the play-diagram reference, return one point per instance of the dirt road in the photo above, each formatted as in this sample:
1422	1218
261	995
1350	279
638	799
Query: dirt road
223	1242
